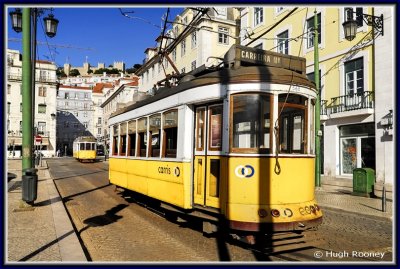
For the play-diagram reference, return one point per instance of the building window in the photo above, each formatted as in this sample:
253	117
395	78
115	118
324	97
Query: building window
223	35
357	146
258	15
99	131
85	105
194	39
8	89
357	16
42	91
193	65
99	120
41	127
259	46
354	77
183	48
279	9
85	114
42	108
20	126
85	124
8	107
173	57
283	42
66	104
67	95
20	107
86	95
310	31
183	70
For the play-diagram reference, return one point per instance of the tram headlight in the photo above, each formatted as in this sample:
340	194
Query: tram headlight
262	213
275	213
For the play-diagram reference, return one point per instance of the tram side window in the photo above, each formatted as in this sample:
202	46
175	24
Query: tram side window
115	140
142	137
82	146
122	141
215	141
155	135
88	146
200	121
170	126
292	123
132	138
251	123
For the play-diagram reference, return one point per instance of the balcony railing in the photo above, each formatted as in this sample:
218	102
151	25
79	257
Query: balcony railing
42	79
349	102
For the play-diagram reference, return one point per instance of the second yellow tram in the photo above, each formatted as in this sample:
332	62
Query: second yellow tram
84	148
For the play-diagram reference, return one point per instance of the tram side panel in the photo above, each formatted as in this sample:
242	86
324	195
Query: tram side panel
168	181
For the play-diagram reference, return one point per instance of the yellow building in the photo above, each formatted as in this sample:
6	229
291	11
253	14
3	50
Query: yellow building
349	119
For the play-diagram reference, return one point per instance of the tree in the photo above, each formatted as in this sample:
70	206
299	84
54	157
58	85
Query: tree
133	69
90	71
74	72
60	72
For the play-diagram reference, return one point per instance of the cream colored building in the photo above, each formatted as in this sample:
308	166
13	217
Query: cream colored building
194	40
44	109
349	71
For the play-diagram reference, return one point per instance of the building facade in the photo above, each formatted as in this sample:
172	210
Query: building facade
44	106
195	39
74	116
349	72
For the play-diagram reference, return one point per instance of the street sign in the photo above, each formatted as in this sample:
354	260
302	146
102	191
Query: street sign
38	138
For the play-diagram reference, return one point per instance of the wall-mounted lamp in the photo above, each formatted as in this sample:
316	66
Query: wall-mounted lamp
387	120
350	25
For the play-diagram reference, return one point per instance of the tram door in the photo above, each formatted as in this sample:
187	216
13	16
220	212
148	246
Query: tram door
208	164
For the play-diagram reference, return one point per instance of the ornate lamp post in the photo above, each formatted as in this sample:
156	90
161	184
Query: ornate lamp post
350	25
23	22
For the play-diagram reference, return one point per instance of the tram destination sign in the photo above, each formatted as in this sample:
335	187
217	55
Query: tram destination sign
244	56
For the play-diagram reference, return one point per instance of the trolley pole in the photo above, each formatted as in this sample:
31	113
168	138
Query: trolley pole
317	106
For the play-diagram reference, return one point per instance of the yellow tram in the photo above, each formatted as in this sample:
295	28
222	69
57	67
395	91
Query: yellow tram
233	143
84	148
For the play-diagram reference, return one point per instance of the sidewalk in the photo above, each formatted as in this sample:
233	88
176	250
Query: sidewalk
44	232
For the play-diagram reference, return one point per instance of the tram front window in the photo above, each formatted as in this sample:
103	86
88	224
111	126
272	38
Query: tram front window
251	123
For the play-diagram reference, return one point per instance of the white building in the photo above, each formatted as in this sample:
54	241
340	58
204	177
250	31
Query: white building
44	108
74	116
195	39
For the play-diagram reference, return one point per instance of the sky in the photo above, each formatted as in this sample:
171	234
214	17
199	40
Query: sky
97	34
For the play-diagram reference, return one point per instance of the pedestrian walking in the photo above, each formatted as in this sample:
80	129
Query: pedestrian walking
58	153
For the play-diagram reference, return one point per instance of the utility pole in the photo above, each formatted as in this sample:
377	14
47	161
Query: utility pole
27	130
317	106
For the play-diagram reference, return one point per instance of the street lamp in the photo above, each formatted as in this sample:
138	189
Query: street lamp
16	20
26	23
350	25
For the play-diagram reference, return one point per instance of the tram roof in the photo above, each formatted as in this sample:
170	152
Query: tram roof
241	74
85	139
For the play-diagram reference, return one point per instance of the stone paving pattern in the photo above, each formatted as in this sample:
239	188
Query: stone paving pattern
44	232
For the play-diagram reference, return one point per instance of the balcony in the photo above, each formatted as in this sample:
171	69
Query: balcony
41	79
348	105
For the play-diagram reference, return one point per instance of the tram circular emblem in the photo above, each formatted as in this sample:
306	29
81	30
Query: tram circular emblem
177	172
243	171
